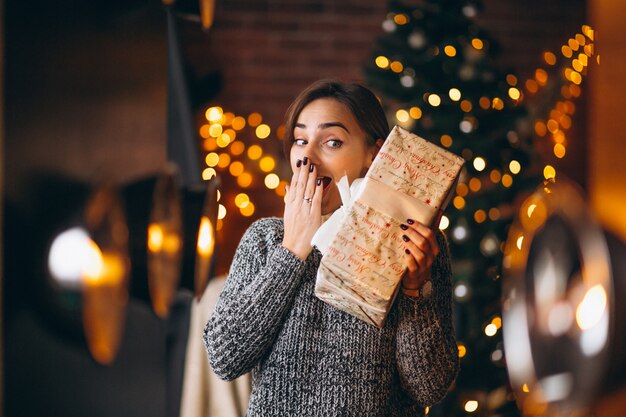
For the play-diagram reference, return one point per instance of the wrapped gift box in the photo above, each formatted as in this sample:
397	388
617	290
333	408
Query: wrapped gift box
362	266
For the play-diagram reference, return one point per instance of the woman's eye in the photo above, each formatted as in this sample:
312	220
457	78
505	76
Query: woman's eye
299	142
334	143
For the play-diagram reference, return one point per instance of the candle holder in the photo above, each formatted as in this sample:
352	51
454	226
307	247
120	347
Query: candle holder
564	334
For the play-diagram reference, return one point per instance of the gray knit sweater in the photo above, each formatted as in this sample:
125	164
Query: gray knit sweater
308	358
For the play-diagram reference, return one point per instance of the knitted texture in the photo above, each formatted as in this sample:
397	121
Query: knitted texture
309	359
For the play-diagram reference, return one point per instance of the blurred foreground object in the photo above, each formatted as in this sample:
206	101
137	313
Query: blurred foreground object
564	333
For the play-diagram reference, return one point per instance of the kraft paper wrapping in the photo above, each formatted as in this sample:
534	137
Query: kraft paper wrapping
361	243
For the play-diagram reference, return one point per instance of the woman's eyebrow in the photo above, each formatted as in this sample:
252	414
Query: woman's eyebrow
325	126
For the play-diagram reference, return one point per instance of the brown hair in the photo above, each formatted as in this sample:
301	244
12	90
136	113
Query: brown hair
361	102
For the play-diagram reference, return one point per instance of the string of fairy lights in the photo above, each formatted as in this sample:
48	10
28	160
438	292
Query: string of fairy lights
234	146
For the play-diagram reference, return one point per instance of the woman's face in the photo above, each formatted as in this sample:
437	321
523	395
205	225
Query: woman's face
328	134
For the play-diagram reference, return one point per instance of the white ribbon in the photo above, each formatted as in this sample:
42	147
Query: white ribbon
329	229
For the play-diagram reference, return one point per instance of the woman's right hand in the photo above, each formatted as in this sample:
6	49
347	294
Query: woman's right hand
303	209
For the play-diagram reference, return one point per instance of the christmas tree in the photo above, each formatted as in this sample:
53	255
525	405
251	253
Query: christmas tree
435	71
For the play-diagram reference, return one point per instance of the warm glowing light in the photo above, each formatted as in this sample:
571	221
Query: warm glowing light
206	241
402	116
71	254
271	181
514	93
223	141
221	212
462	349
577	65
507	180
479	163
208	173
576	78
511	80
382	62
444	223
495	176
434	100
540	128
209	144
455	94
237	148
267	164
549	57
515	167
244	180
590	310
262	131
248	210
213	114
566	51
532	86
449	50
525	388
494	214
573	44
541	76
519	242
446	140
254	119
102	269
477	43
227	118
497	103
238	123
484	102
280	190
491	330
415	113
396	66
480	216
255	152
231	134
471	406
458	202
224	160
215	130
205	131
549	172
462	189
401	19
236	168
559	150
242	200
497	321
475	184
212	159
155	237
466	106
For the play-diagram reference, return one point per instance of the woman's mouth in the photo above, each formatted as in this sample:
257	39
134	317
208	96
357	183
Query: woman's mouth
326	181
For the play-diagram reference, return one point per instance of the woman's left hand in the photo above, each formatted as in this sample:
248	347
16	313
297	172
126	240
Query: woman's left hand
421	250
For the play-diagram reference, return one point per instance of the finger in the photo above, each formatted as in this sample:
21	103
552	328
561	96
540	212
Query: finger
416	237
294	181
318	194
410	263
302	176
421	258
310	181
428	234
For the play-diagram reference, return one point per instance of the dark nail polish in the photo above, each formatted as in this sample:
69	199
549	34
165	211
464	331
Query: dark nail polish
404	226
311	167
408	252
410	221
319	181
298	163
305	160
405	238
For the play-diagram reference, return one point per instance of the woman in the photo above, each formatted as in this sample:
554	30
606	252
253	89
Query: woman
307	358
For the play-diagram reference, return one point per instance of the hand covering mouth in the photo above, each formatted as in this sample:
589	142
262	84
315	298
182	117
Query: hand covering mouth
326	181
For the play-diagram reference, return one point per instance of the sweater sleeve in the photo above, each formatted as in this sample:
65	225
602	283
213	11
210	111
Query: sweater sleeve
261	286
426	350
